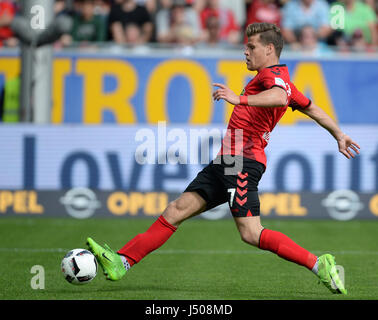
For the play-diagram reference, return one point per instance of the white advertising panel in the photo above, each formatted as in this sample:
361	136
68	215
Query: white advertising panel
168	157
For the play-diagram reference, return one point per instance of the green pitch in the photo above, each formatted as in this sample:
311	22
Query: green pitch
203	260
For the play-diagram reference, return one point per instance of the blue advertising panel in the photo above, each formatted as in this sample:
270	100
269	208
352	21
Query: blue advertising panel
135	89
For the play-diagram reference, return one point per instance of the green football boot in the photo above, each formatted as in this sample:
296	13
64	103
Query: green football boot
328	274
109	260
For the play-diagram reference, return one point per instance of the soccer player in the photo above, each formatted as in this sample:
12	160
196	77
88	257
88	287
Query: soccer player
257	110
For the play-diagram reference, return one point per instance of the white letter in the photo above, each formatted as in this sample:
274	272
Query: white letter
145	153
38	20
180	147
200	139
162	143
38	281
337	17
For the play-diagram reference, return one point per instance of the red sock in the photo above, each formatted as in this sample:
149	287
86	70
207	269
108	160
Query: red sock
144	243
286	248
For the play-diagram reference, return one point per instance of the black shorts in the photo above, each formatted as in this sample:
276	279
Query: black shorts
220	182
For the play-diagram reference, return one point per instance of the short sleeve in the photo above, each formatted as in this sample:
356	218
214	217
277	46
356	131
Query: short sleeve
144	15
270	79
297	99
370	15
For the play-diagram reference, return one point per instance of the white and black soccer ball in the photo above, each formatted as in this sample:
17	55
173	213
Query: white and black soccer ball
79	266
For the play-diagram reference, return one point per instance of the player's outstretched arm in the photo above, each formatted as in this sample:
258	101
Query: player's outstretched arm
345	143
274	97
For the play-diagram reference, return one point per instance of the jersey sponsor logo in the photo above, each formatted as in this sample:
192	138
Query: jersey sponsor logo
279	82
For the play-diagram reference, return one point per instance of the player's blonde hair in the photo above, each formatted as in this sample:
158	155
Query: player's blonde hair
269	33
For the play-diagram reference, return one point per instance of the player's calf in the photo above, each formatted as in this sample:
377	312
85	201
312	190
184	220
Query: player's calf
250	229
251	236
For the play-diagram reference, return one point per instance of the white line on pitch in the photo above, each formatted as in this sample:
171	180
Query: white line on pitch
184	251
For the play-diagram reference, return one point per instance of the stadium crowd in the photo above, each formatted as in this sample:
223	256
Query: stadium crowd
313	26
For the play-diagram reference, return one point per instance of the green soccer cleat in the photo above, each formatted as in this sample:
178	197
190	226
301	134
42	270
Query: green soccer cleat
109	260
328	274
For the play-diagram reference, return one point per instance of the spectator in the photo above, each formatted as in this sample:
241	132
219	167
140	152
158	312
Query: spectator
213	28
87	26
149	4
263	11
298	13
102	8
229	29
213	35
238	7
177	22
7	12
115	2
60	7
133	36
372	4
129	12
309	42
358	42
360	18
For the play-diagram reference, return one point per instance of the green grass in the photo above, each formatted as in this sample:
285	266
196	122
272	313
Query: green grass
203	260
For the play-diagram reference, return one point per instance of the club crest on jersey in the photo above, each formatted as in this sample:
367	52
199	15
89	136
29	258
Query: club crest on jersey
266	136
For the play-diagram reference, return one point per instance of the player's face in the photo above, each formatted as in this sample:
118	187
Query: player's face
255	53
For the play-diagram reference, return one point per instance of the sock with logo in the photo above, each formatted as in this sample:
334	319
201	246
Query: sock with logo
125	262
144	243
286	248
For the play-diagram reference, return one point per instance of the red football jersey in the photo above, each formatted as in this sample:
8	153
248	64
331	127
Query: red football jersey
249	127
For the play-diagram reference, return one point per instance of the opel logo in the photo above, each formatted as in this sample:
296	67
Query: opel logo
80	203
343	204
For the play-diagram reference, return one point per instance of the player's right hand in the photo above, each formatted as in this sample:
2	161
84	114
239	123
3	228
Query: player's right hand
226	94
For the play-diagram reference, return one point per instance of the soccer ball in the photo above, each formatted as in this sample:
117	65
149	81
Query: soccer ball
79	266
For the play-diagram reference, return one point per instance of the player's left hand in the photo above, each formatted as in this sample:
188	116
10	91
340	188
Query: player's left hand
347	146
226	94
